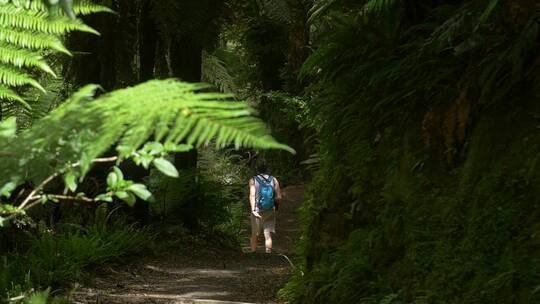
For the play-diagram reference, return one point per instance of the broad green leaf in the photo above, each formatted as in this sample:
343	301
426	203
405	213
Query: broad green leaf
154	148
112	180
119	173
104	198
5	191
146	159
121	194
126	197
141	191
71	181
166	167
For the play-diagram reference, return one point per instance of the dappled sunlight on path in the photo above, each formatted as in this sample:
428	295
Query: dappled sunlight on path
204	275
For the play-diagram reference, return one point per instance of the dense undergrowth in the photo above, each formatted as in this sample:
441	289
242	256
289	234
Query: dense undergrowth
60	257
427	190
209	200
57	259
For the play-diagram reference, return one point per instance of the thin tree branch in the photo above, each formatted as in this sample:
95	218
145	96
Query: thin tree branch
32	194
38	188
101	160
66	197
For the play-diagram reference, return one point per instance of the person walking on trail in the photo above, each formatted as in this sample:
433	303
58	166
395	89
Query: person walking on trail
264	199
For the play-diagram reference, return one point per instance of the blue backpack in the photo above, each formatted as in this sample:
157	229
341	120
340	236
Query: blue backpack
266	193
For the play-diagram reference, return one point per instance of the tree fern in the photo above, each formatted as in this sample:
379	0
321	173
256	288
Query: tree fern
215	72
168	111
29	30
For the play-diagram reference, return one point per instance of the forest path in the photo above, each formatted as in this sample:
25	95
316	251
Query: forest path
204	275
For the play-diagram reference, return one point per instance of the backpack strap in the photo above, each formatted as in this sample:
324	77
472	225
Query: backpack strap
268	180
259	179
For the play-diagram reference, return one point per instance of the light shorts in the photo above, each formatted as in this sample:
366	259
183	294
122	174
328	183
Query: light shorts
266	223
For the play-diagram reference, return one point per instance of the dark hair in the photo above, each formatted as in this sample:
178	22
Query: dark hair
261	166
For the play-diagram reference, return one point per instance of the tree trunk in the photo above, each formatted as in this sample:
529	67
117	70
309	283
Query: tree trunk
186	60
147	44
111	61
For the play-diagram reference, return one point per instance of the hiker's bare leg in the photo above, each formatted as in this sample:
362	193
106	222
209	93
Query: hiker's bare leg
253	242
268	241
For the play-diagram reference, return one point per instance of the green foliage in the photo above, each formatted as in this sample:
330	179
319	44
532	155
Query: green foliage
71	137
30	31
226	175
426	118
215	72
57	259
290	121
213	203
53	261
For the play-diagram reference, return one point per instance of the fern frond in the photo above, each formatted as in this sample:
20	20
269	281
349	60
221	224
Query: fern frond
86	7
8	94
215	72
14	17
30	28
23	58
30	40
14	77
80	7
168	110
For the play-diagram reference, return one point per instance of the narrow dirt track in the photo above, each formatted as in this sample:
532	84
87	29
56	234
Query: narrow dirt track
204	275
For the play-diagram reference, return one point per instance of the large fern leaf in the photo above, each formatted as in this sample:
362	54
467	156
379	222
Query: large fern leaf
164	110
40	21
28	30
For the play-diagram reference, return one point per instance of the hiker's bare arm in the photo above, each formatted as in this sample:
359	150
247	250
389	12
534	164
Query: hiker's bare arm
277	188
252	194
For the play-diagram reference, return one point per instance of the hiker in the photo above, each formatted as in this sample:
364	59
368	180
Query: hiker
264	199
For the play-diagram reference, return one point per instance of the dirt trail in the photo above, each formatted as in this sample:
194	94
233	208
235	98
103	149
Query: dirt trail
203	275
